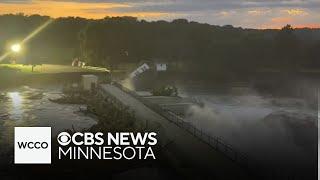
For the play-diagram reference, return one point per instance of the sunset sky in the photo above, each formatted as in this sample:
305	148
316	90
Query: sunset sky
244	13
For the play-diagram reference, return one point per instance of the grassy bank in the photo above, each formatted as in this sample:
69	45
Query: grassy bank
51	68
12	75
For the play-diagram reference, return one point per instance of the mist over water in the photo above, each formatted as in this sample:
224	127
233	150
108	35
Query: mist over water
276	132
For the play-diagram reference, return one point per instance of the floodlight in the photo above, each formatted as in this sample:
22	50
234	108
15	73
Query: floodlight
16	48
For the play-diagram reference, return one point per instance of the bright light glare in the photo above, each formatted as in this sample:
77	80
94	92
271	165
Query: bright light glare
16	99
16	48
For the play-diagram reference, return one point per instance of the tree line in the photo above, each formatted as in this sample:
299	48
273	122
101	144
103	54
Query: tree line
194	46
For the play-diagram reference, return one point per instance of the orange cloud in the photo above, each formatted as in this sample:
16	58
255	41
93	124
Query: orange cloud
64	9
307	25
279	22
282	20
296	12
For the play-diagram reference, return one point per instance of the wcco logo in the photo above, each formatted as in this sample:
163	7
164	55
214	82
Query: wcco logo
32	145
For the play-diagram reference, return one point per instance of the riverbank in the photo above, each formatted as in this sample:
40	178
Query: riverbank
19	75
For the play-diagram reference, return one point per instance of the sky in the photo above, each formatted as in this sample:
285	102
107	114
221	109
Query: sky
259	14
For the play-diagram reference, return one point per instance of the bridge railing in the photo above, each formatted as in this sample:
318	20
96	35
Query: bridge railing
214	142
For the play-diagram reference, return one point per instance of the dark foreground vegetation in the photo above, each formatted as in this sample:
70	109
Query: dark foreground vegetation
189	46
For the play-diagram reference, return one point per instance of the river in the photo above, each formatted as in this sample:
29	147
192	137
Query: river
278	132
26	106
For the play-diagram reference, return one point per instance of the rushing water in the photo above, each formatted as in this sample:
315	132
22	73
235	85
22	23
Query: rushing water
278	132
26	106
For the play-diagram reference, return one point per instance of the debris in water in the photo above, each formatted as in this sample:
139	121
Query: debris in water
4	116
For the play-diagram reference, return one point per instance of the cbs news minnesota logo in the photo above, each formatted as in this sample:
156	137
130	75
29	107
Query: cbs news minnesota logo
32	145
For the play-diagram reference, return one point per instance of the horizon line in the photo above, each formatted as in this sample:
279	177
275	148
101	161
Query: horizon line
317	26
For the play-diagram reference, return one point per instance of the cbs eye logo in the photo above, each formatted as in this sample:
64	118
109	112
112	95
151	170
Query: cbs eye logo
64	139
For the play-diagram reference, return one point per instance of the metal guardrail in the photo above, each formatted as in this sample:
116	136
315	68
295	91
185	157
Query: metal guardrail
214	142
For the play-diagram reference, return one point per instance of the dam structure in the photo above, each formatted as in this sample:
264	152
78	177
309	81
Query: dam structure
185	147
